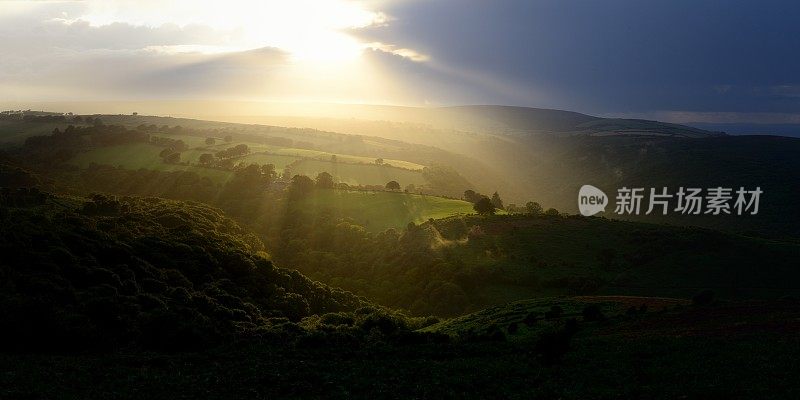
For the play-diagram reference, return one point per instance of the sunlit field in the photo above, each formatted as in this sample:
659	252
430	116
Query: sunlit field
378	211
137	156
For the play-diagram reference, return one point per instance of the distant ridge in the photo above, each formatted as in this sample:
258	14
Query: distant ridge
525	121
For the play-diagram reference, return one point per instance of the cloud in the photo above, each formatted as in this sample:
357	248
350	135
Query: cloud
620	57
402	52
615	55
88	50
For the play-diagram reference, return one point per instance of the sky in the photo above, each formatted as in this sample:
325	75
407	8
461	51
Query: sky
708	61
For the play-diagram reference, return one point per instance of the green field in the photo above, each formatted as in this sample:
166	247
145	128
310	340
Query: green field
285	155
378	211
305	153
359	174
279	161
142	155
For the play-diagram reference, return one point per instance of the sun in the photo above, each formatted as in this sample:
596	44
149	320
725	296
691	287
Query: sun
307	30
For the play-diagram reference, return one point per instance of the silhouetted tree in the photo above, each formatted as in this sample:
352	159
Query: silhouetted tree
324	180
393	185
484	206
206	158
496	201
533	208
551	212
268	171
472	196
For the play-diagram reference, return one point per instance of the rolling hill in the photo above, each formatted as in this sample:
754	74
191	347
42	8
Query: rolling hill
541	256
167	275
549	167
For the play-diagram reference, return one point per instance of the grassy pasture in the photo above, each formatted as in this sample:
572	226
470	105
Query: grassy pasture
378	211
143	155
359	174
279	161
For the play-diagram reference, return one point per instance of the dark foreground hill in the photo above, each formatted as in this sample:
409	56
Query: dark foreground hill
135	298
78	274
569	348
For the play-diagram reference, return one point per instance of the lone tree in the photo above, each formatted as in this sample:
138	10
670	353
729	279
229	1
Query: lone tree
210	141
534	208
484	206
496	201
379	161
206	158
324	180
393	185
472	196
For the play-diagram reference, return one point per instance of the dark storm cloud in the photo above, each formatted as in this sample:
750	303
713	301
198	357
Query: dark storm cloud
615	56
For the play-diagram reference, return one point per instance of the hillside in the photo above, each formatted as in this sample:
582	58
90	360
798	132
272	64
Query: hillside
455	265
352	159
155	273
505	120
540	256
577	354
547	155
547	168
476	119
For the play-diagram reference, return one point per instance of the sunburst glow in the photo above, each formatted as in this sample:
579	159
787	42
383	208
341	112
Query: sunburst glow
308	30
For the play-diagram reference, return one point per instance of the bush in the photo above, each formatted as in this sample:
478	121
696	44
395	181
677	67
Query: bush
385	323
337	319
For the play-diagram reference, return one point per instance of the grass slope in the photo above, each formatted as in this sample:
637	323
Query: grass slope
143	155
378	211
